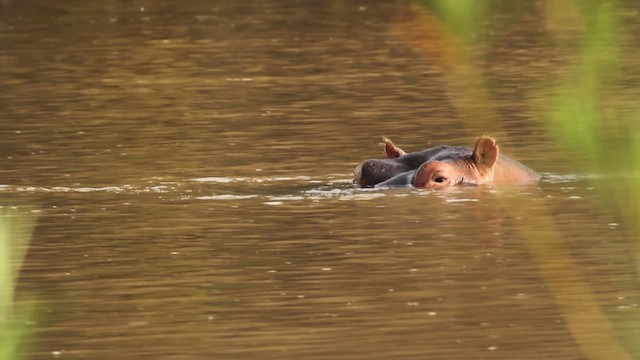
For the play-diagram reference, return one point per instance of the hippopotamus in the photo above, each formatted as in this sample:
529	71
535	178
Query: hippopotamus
443	166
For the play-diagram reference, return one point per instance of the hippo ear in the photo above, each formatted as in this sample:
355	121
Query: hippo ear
391	150
485	154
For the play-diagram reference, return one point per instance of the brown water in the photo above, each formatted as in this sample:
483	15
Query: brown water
190	163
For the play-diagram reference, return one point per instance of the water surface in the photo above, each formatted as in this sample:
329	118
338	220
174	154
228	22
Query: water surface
191	163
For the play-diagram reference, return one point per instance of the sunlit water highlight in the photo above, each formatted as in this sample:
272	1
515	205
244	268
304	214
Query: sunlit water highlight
331	187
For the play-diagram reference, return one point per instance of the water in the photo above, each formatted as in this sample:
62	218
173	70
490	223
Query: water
191	161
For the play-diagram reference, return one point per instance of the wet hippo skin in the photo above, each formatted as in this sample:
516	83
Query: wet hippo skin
443	166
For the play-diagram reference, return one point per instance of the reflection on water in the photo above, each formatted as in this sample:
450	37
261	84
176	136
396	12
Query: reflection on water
312	272
192	164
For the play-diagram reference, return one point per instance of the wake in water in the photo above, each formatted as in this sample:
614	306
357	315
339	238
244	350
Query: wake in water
273	190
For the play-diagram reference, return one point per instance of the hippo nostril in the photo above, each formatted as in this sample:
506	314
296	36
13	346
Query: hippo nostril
465	183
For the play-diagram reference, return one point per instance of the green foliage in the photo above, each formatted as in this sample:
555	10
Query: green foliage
584	116
16	231
576	116
590	120
464	16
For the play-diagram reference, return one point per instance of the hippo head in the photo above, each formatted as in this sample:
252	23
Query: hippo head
455	166
437	167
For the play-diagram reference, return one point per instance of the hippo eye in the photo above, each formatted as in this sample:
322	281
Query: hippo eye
440	179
